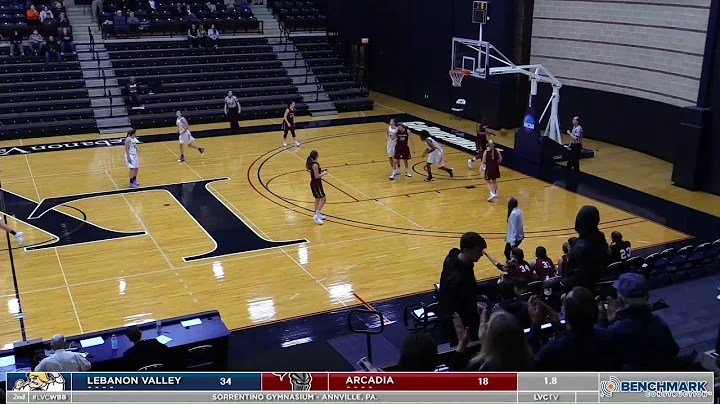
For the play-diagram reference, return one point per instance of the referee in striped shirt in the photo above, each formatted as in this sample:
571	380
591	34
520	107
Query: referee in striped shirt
232	110
575	144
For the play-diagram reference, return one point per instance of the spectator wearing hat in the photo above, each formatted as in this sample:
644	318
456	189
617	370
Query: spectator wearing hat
644	339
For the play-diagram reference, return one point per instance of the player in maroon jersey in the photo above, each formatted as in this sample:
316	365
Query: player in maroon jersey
289	124
316	186
491	160
402	150
481	142
526	274
544	267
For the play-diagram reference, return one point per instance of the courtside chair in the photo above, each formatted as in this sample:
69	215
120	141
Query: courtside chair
678	263
697	258
614	270
713	254
634	263
157	367
649	268
200	358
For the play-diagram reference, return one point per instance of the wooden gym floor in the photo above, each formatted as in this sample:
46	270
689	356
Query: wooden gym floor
382	239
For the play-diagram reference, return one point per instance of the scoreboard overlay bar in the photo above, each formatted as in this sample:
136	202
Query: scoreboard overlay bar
331	387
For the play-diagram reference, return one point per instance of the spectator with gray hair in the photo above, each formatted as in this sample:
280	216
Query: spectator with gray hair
644	339
63	360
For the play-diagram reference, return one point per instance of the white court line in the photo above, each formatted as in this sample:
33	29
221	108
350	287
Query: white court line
245	218
369	197
199	264
62	269
170	264
394	109
101	170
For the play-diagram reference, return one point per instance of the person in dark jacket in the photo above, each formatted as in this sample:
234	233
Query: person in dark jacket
590	255
52	49
16	44
582	347
418	354
458	286
644	339
144	352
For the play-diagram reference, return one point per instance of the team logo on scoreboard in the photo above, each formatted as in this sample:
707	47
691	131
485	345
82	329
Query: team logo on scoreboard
298	381
40	381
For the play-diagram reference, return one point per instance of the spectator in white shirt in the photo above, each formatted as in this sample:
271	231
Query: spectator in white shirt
515	227
62	360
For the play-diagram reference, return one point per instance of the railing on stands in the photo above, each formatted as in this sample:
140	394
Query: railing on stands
318	85
92	41
368	331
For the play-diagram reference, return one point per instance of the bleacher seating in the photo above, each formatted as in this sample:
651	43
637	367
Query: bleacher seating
13	17
298	15
166	19
51	99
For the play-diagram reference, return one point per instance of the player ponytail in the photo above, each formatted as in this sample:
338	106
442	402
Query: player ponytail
512	204
311	159
130	132
491	149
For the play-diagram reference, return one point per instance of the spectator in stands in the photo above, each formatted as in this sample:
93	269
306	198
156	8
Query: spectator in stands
144	352
63	360
152	6
644	340
510	303
544	267
191	16
63	20
504	347
133	23
120	22
16	44
458	286
45	14
229	4
58	5
32	16
211	7
66	41
515	228
590	255
418	353
179	11
620	249
203	36
193	36
52	50
133	90
36	42
213	35
582	347
97	6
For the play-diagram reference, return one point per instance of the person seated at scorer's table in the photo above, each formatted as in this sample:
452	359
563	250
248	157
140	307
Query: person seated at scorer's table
63	360
144	352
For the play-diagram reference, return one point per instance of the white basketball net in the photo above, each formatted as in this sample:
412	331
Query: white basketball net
457	77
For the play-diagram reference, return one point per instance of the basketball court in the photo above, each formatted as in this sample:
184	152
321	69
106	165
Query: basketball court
176	245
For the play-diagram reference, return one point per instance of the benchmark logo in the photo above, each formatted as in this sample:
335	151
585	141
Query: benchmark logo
655	388
16	150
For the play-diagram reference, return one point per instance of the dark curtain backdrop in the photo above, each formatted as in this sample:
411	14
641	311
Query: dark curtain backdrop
410	48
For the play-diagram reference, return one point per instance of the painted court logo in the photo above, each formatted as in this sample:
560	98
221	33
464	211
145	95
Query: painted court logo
656	388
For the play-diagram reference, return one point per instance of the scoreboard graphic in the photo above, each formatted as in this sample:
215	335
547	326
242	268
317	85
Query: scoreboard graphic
331	387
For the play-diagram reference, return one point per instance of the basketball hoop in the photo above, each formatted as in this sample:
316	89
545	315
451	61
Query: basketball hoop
457	76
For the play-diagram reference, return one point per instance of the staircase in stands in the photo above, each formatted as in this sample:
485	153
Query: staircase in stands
308	87
99	76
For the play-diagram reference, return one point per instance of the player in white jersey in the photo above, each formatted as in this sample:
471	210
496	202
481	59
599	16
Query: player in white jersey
185	136
391	142
131	157
435	155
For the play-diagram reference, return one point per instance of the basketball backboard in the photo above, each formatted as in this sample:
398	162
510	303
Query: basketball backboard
471	55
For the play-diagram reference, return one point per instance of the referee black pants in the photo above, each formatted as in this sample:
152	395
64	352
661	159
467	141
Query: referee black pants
574	160
234	117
